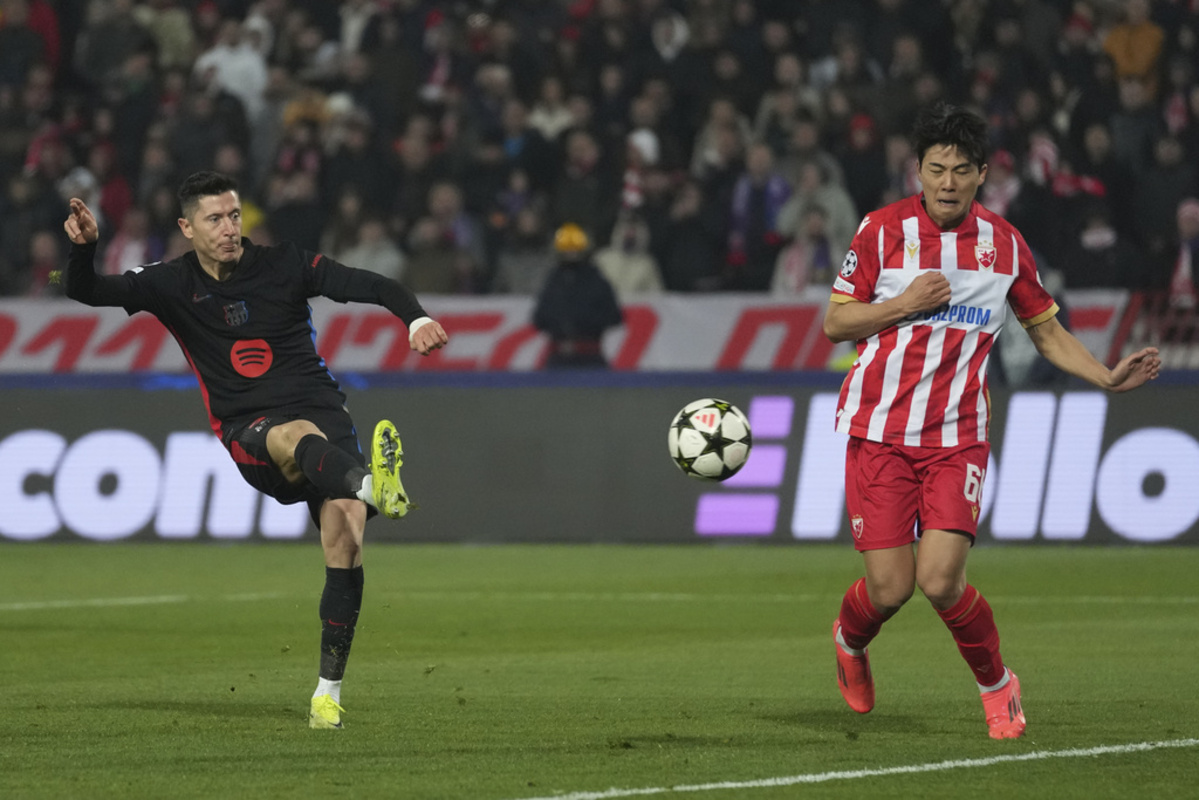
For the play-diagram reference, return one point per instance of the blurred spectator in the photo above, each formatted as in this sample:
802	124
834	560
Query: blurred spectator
112	34
627	262
550	115
170	26
26	207
446	247
1098	160
1135	126
778	113
234	66
902	169
46	256
687	244
852	70
375	250
754	240
525	257
419	169
133	244
585	192
1157	193
294	210
341	230
116	197
207	122
864	163
1020	202
710	149
809	258
1136	45
576	305
1182	276
358	162
839	219
524	146
20	45
1099	257
393	70
804	147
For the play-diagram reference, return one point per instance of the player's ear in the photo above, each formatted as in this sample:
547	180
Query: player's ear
982	174
185	226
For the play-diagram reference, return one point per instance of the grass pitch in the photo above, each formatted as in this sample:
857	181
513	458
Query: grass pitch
153	671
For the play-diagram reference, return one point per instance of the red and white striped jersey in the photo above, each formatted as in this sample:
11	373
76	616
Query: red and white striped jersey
923	381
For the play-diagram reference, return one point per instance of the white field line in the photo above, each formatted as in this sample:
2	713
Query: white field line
910	769
109	602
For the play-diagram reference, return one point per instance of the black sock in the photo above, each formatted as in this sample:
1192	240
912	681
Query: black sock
340	603
332	470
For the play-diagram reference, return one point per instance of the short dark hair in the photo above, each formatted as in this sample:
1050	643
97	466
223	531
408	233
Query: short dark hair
202	184
951	126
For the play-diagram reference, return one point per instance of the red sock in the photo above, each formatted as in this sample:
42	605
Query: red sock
973	627
860	621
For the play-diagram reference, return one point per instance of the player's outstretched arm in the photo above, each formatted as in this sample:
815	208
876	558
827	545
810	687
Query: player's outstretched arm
1068	354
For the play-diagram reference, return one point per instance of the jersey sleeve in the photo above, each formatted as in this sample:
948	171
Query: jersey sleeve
1027	297
860	269
328	278
129	290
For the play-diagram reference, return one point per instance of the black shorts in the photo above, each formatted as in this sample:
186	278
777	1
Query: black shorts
246	442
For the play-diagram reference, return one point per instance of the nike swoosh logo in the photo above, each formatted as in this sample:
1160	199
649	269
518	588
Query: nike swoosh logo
338	624
198	299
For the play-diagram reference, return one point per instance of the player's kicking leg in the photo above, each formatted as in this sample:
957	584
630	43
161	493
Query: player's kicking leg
387	491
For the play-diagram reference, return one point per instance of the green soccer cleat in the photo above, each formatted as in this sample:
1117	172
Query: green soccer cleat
325	713
387	490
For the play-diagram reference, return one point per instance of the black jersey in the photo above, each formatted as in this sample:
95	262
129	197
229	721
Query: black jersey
249	338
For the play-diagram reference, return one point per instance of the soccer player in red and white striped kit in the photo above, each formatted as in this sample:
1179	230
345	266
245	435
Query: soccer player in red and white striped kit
924	292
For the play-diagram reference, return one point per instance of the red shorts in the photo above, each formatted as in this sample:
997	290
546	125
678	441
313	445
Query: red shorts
894	492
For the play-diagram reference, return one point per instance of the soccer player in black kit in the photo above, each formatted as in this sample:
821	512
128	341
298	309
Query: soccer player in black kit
240	313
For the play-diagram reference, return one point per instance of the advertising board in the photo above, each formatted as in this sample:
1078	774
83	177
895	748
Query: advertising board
506	458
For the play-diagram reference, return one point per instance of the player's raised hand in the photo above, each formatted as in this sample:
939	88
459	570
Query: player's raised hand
1136	370
429	337
81	225
928	291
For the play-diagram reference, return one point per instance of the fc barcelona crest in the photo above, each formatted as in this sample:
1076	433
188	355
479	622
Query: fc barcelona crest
236	313
985	254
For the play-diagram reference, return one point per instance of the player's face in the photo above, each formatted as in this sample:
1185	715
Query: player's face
950	182
215	229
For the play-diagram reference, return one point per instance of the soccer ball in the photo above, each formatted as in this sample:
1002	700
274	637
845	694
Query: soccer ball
710	439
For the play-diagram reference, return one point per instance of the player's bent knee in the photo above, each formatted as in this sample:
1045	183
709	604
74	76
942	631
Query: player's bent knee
942	590
887	598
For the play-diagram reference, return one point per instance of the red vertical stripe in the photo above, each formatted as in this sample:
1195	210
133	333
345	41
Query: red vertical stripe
1003	248
938	398
909	376
967	239
872	383
975	383
892	244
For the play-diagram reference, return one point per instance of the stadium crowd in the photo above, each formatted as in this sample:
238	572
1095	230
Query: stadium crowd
702	145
